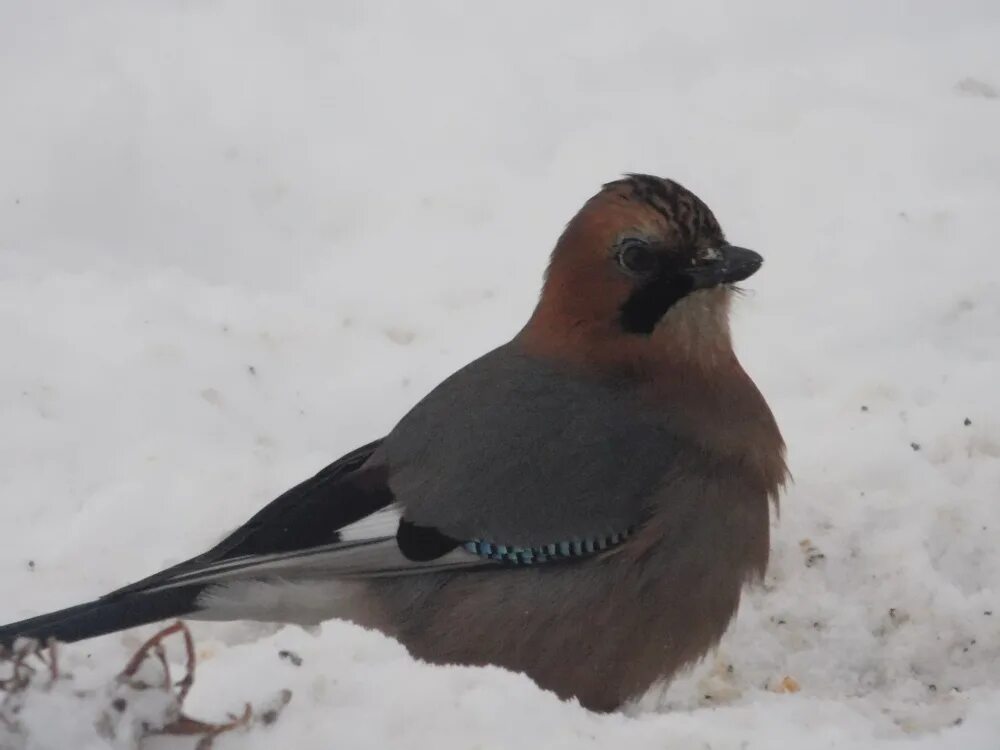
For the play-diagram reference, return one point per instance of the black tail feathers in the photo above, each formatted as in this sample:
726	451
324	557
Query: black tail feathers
105	615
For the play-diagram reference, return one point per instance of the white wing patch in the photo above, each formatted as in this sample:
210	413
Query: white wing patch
381	523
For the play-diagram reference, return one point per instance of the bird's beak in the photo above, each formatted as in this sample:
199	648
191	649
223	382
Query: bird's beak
723	265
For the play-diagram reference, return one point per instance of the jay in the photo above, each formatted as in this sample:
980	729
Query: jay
584	503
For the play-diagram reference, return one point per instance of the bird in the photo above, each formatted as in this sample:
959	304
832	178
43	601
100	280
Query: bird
584	504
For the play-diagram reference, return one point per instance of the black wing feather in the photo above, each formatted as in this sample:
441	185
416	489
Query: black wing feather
311	513
308	515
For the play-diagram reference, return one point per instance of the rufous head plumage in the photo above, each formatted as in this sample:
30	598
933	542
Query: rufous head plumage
643	269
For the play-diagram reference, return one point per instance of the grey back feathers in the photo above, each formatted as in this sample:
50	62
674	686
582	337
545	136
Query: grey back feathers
511	449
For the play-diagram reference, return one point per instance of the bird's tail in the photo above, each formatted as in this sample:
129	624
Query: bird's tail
105	615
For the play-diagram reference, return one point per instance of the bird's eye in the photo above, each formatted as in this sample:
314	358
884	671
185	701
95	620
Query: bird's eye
637	257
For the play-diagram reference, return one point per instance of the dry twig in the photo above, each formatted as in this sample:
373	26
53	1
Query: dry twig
22	673
184	725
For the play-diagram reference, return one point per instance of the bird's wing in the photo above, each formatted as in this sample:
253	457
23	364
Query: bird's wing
508	462
342	504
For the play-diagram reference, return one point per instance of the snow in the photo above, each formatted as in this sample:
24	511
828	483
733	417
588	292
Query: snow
240	238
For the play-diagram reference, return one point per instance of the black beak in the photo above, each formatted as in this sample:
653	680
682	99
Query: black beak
723	265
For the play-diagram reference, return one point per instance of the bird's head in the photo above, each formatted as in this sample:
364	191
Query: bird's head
643	265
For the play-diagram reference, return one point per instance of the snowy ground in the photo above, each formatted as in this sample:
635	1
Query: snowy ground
238	239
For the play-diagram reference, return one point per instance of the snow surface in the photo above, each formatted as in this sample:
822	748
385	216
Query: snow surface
240	238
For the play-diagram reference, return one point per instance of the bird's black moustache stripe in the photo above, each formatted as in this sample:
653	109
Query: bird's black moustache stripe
650	302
